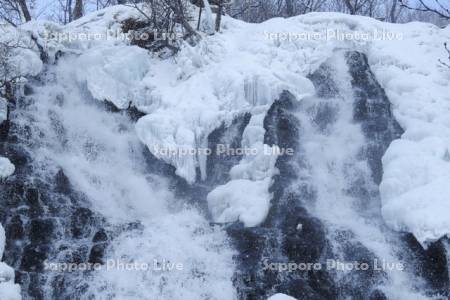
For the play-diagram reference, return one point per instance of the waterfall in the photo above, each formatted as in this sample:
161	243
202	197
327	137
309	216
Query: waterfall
85	191
324	237
92	213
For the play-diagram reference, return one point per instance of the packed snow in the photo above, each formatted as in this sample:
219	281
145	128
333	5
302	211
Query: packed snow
415	189
8	289
280	296
246	66
246	196
6	167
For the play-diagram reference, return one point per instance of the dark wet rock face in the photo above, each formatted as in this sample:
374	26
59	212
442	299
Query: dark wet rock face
218	165
131	111
323	80
44	219
278	239
372	110
4	129
431	264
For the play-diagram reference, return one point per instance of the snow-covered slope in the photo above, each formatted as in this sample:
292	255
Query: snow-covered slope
246	66
8	289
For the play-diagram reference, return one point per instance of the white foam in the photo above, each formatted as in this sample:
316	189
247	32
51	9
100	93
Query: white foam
6	167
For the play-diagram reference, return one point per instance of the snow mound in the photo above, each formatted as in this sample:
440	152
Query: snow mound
8	289
6	167
280	297
246	196
240	200
415	187
22	55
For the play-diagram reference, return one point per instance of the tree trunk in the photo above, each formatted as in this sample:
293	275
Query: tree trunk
393	12
289	8
69	10
24	9
219	16
199	17
350	7
78	9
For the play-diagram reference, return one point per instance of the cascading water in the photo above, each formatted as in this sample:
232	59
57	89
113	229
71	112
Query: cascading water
338	154
326	205
84	192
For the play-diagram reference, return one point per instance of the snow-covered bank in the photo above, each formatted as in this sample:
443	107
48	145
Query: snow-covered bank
6	167
8	289
415	189
246	66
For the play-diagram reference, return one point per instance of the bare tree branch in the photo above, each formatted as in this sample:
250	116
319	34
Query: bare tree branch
448	52
443	13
